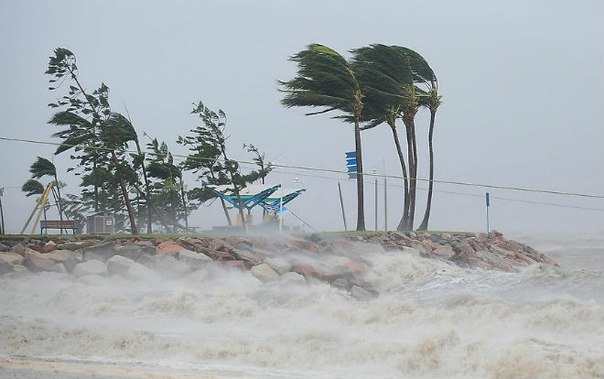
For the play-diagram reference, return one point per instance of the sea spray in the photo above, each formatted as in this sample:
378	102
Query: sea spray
431	319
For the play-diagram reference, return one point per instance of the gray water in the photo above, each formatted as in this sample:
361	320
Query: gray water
431	320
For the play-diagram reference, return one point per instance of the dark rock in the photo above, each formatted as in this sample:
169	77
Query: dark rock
4	247
101	252
5	267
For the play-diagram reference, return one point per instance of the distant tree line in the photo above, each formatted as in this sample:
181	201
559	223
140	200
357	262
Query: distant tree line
142	188
379	85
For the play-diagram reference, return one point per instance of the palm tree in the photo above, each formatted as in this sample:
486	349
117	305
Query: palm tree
40	168
326	80
386	77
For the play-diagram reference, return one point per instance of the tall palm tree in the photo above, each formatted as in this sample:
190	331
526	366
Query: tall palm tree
425	87
386	78
326	80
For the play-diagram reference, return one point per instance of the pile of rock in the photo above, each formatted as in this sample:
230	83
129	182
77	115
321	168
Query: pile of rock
486	251
334	260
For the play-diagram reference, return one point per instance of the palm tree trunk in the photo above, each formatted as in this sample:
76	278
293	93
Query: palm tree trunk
360	195
59	202
412	156
401	157
424	224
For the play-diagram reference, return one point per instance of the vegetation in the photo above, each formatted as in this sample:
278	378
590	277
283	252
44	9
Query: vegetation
145	187
380	84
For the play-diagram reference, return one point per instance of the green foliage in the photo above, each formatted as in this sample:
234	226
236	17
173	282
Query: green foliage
32	187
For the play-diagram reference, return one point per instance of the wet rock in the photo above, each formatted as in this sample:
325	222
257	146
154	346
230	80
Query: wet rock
170	265
360	293
49	246
193	259
308	271
101	252
236	264
169	247
134	251
247	256
118	265
293	278
91	267
264	272
37	262
6	267
139	271
4	248
278	264
12	258
76	245
59	256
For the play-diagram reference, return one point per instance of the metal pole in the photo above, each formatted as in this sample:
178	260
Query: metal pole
342	206
2	230
488	221
385	205
376	205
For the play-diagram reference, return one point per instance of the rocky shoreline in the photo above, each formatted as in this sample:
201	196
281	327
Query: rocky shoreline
334	259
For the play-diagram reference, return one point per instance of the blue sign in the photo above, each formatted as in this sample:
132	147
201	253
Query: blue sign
351	164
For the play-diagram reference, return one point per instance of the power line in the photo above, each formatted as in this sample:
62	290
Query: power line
334	171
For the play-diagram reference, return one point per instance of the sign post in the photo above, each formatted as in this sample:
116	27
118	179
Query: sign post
488	221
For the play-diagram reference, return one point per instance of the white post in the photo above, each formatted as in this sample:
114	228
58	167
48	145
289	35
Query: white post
488	221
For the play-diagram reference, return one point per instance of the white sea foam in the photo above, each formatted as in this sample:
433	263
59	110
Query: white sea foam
432	319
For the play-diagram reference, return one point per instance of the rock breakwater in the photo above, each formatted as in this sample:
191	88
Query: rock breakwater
334	259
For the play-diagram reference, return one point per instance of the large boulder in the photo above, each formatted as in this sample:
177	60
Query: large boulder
293	278
138	271
278	264
91	267
39	262
12	258
60	256
119	265
169	247
195	260
167	264
264	272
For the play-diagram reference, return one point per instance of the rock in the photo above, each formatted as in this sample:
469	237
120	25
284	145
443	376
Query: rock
119	265
49	246
19	248
278	264
5	267
236	264
247	256
59	256
76	245
91	267
444	251
308	271
167	264
304	245
360	293
101	252
38	262
293	278
193	259
138	271
168	247
264	272
4	248
133	251
12	258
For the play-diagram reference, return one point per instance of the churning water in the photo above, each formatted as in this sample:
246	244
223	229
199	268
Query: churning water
430	320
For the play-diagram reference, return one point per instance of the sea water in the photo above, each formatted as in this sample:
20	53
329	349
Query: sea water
431	320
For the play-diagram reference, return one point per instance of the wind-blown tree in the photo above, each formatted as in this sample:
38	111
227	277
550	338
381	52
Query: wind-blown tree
169	192
424	92
210	161
41	168
386	80
326	80
91	125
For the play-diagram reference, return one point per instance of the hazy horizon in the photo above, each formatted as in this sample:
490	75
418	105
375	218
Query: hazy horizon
522	86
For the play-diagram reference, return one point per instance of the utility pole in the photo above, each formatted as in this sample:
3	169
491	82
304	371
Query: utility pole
2	230
342	206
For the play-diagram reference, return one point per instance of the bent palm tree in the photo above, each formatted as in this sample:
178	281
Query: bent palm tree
386	79
325	79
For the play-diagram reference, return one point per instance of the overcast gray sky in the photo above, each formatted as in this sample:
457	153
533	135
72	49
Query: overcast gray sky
522	84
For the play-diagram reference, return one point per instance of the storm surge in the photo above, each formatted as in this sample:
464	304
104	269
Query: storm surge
430	319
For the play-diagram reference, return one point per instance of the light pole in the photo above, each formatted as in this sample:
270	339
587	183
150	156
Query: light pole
374	172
